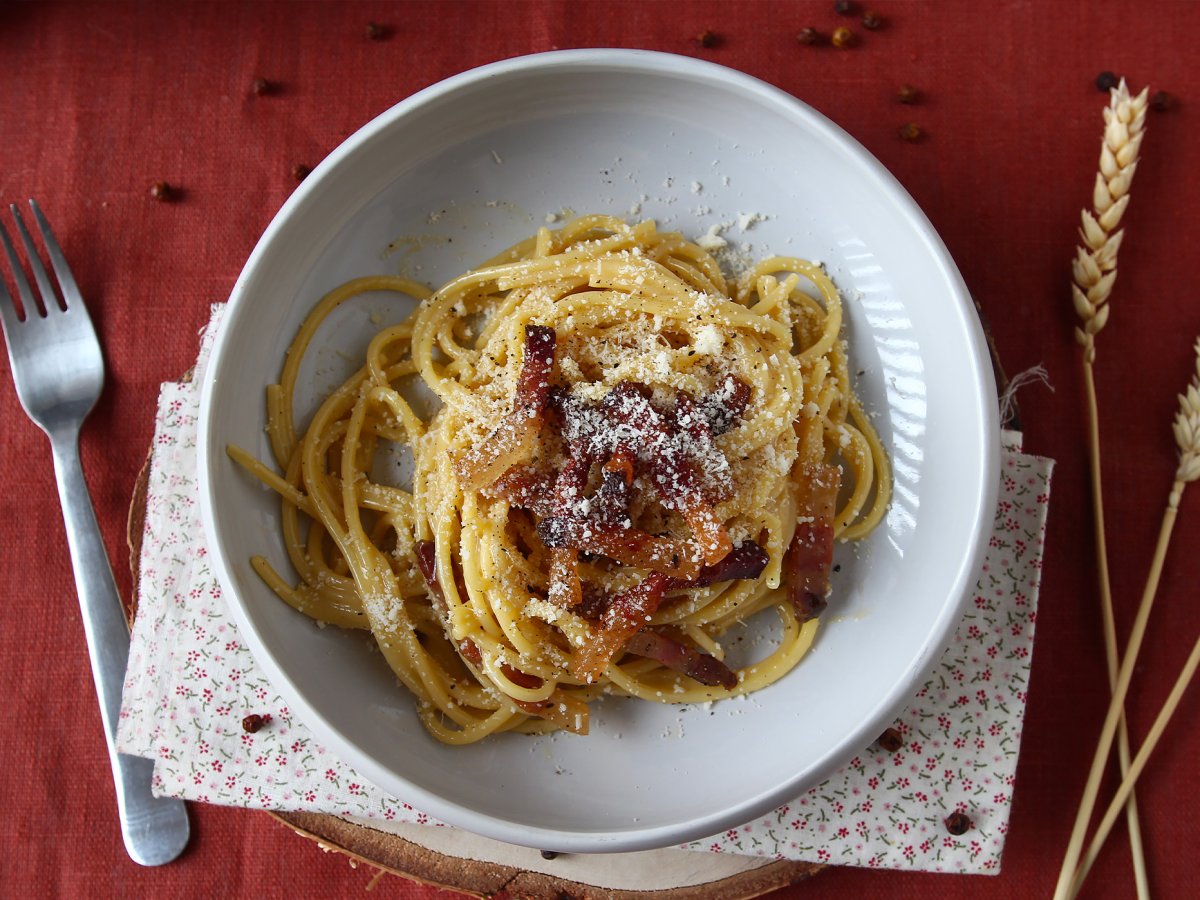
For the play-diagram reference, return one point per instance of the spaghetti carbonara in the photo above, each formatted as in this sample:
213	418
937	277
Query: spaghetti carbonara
629	457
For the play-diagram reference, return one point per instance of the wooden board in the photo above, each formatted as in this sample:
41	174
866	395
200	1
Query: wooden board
454	860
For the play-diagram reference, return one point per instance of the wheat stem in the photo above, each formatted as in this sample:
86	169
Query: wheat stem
1094	271
1066	887
1115	711
1186	674
1111	658
1186	428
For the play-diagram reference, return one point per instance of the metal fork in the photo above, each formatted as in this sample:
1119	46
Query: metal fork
59	372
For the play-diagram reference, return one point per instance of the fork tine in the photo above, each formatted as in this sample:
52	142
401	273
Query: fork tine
9	314
48	297
29	306
70	290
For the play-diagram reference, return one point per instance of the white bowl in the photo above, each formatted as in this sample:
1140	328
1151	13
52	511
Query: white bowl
451	175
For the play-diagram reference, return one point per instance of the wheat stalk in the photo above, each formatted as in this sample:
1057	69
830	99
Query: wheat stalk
1187	436
1094	271
1143	755
1095	265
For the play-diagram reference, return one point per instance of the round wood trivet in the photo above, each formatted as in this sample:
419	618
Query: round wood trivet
455	860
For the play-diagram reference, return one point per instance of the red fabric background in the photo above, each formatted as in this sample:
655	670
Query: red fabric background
98	101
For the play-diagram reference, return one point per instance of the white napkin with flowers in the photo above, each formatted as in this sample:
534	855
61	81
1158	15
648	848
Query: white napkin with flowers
191	681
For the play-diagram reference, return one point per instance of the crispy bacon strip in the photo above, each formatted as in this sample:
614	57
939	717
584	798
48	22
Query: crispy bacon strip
561	708
809	557
671	471
519	678
566	588
594	603
628	546
610	505
513	441
683	658
621	464
626	615
427	563
565	710
745	561
470	652
689	418
524	487
726	405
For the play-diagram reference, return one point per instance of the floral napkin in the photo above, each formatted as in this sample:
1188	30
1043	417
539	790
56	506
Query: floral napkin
192	680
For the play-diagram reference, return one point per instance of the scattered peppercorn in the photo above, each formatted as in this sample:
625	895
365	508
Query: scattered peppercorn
810	37
261	87
842	37
1161	101
845	7
252	723
300	171
958	823
872	20
911	132
1106	81
375	32
549	854
708	38
890	740
160	190
907	94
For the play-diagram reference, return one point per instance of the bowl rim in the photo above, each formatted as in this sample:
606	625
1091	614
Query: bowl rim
651	63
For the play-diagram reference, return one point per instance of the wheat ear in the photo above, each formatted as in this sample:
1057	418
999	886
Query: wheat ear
1095	265
1187	436
1094	271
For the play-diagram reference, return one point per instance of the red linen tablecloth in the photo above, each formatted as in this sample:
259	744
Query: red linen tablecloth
100	101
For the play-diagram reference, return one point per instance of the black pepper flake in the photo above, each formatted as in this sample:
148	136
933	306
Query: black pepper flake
907	94
261	87
959	822
843	37
549	854
160	190
891	740
1106	81
252	723
300	171
872	21
708	38
1161	101
911	132
376	32
810	37
845	7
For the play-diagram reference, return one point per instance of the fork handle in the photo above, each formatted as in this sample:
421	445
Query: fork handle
155	829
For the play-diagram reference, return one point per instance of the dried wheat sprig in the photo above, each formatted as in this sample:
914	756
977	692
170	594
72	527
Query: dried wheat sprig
1186	674
1094	271
1187	436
